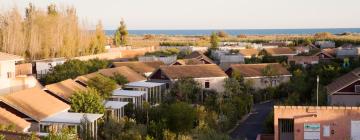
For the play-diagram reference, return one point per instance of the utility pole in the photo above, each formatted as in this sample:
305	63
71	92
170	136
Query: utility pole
317	90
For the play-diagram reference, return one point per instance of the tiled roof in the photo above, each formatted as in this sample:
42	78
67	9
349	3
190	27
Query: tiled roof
131	75
189	62
10	57
140	67
303	58
343	81
280	51
256	70
7	118
193	71
198	55
86	77
35	103
249	52
65	89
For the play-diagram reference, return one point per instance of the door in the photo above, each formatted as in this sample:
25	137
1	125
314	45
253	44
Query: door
286	129
355	130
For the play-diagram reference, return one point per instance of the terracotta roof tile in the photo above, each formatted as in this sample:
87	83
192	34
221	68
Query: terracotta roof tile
35	102
280	51
198	55
140	67
249	52
131	75
189	62
7	118
194	71
65	89
255	70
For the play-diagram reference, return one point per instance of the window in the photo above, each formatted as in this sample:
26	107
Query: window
207	84
357	88
9	75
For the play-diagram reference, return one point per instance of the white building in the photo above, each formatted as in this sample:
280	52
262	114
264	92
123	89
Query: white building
9	79
46	65
131	96
209	76
155	92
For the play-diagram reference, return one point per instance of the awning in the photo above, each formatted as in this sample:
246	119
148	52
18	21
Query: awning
71	118
130	93
144	84
115	104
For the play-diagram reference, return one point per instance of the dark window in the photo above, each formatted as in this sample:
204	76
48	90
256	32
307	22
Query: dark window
207	84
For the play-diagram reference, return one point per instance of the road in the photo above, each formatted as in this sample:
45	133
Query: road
253	125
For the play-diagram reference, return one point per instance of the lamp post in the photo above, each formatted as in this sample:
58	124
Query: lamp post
317	90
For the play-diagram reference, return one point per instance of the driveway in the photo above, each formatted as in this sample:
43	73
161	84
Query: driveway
253	125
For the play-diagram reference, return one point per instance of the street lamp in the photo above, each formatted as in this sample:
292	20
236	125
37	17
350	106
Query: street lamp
317	90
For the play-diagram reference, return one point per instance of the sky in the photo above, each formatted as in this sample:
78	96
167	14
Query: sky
210	14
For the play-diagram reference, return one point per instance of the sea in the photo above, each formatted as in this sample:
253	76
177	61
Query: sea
187	32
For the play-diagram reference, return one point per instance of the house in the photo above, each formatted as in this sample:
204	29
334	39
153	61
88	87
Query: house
115	108
249	53
131	75
326	54
12	80
43	110
137	98
345	89
316	123
83	79
302	49
282	51
188	62
144	68
200	56
155	92
42	67
325	44
347	50
210	76
167	60
229	59
303	60
9	119
255	74
64	90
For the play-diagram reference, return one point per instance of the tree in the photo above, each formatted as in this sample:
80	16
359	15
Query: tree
64	134
97	44
85	132
186	90
121	34
104	85
73	68
232	87
271	75
180	117
120	79
214	40
87	101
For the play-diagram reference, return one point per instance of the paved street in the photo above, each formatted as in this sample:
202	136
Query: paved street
253	125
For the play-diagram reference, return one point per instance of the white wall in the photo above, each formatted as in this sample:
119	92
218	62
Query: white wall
216	83
258	83
44	67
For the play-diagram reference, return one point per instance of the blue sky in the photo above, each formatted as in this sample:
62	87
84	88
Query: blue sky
210	14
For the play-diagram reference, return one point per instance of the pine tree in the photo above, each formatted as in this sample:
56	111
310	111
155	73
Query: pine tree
121	34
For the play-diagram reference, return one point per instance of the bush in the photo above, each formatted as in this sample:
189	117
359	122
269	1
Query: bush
87	101
104	85
72	69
